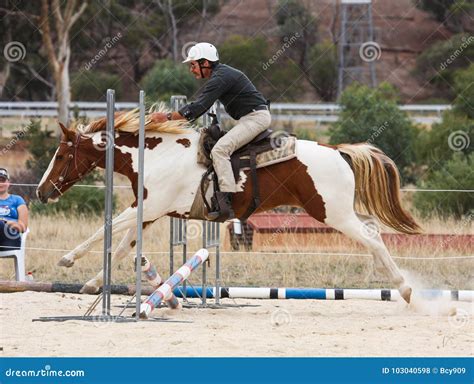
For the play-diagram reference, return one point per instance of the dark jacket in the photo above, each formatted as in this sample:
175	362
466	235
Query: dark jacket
232	88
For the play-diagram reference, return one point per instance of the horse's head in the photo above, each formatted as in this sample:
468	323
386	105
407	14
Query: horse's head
75	157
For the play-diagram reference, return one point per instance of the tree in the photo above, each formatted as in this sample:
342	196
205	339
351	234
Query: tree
439	62
57	46
454	14
446	152
166	79
294	18
247	54
456	173
372	115
322	73
464	85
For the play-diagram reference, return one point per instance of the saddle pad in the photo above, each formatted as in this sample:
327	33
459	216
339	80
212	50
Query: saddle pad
286	151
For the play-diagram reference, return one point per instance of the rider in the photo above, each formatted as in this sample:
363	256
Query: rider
241	101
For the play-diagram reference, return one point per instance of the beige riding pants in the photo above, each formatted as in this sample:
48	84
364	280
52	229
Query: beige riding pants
248	127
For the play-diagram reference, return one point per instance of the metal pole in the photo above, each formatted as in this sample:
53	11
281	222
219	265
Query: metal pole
141	159
204	276
185	251
177	226
373	74
109	180
172	221
218	265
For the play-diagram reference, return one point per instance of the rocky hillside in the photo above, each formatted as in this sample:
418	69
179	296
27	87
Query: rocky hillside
402	31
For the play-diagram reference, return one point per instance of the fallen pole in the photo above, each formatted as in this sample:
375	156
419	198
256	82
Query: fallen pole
247	292
165	291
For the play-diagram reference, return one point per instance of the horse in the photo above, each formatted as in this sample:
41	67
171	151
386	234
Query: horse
344	186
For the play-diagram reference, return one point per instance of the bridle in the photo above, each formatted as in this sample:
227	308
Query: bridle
62	176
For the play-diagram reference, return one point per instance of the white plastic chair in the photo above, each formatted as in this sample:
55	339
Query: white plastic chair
19	256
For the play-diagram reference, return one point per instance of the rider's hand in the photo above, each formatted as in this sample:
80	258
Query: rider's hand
159	117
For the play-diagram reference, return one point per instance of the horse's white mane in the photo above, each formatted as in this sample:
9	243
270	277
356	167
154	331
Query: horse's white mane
128	121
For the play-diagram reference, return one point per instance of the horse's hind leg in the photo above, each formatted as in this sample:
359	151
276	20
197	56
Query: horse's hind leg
369	236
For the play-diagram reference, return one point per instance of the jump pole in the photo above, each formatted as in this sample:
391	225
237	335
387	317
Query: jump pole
248	292
166	290
326	293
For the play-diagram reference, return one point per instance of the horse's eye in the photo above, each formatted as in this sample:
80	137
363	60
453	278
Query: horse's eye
59	157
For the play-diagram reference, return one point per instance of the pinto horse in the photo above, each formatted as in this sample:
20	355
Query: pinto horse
344	186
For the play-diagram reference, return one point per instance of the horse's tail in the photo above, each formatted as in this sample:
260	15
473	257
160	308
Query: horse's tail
377	183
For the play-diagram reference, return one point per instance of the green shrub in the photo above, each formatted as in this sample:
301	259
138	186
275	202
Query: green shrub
453	134
167	78
246	54
322	72
372	115
281	81
42	145
439	62
92	85
464	85
456	173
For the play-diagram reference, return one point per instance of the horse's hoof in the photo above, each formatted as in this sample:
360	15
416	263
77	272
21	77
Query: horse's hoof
89	289
65	262
145	310
405	292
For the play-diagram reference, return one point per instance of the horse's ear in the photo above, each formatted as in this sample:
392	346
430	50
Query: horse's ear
68	134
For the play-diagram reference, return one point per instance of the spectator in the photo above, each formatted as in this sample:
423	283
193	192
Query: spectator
13	215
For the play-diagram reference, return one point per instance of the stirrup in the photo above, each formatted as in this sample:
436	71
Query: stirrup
222	207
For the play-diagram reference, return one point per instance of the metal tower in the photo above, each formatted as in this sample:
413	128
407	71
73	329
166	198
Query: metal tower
357	48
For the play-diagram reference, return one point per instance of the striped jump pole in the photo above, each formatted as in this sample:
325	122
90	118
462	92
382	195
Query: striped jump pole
154	279
321	293
165	291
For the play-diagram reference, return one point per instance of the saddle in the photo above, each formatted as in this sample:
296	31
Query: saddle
244	158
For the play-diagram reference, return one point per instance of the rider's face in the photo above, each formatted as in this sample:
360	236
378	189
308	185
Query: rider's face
194	69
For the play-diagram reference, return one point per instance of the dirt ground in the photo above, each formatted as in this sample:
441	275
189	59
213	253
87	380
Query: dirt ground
253	328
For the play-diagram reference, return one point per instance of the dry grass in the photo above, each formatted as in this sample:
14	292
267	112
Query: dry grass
54	235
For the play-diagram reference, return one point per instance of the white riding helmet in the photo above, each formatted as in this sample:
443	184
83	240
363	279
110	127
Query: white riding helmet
202	51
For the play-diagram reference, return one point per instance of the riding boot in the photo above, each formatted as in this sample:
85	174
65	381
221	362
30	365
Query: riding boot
222	207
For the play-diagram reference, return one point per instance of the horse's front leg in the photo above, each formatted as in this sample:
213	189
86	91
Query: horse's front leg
126	220
125	246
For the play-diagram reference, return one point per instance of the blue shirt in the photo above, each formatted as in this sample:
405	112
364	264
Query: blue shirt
9	207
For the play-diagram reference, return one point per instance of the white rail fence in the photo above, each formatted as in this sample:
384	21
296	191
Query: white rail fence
317	113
